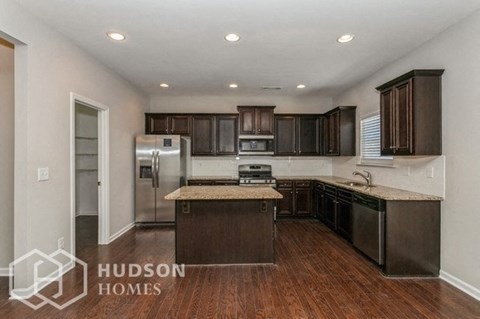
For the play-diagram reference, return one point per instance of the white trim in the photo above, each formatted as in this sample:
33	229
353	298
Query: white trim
26	293
460	284
121	232
86	213
103	169
5	272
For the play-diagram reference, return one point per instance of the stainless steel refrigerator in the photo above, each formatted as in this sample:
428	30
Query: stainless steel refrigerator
160	168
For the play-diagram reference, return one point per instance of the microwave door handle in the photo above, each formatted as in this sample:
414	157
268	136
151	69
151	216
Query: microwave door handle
153	169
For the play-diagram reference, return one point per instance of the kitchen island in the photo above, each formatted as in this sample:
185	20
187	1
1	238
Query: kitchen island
224	224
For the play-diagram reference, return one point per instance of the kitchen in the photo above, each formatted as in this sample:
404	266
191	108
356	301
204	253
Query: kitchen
450	176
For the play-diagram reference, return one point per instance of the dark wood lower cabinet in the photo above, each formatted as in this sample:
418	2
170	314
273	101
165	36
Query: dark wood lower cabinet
344	213
330	207
303	202
285	205
318	201
211	182
297	198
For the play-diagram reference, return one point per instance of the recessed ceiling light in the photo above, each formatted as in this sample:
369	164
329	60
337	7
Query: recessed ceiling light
232	37
164	85
115	36
233	85
346	38
301	86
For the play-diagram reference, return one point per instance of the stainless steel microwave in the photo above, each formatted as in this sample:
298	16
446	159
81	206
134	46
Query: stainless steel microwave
255	145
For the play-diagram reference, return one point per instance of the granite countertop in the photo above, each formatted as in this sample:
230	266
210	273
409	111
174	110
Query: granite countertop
213	178
383	192
223	193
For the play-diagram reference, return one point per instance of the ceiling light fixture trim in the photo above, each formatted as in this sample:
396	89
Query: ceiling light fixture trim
232	37
116	36
164	85
345	38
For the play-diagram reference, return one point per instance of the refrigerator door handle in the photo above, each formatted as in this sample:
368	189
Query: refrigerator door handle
157	170
154	183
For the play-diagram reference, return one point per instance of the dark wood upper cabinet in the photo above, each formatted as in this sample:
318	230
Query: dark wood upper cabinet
176	124
180	124
156	124
411	114
227	134
340	131
256	120
308	135
297	135
285	135
203	135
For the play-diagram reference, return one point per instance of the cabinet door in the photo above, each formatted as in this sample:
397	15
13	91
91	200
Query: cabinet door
285	135
227	135
179	124
333	134
344	219
303	202
403	118
319	202
156	124
285	205
247	120
264	120
330	210
387	122
203	135
308	135
322	135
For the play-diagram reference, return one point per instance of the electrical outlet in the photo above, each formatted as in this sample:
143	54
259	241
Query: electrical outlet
406	171
43	174
61	243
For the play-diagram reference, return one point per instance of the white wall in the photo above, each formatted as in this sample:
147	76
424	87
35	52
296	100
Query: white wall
48	67
6	153
457	51
86	166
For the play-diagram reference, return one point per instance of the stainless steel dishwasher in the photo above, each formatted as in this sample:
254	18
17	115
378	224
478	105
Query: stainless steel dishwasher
369	226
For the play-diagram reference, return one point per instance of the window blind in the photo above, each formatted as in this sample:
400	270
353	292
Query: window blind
370	139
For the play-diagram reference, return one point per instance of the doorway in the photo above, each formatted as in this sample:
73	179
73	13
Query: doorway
89	175
7	151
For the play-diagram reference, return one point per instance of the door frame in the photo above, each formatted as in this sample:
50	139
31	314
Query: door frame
103	168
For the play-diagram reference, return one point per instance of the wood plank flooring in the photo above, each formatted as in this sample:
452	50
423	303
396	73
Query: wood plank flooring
317	275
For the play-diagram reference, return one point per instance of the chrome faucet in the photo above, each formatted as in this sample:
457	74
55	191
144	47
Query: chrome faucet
367	176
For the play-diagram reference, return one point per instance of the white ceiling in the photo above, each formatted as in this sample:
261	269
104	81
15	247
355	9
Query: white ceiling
283	42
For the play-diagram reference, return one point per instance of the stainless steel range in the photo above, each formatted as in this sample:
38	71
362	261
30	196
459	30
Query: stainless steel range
256	175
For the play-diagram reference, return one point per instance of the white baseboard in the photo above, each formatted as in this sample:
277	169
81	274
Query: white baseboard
86	213
121	232
460	284
26	293
5	272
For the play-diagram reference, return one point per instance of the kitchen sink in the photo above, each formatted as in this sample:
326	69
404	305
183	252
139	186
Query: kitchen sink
355	184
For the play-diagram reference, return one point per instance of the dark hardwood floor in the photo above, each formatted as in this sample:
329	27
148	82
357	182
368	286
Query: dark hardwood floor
317	275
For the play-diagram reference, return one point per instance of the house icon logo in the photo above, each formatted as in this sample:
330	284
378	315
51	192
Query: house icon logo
46	272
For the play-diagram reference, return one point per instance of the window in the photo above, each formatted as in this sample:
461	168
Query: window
370	142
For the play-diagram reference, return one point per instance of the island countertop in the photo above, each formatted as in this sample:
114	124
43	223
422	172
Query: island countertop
223	193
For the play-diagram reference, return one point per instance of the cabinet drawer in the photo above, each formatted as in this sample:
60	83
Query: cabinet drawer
344	195
305	184
226	182
284	184
330	190
199	182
